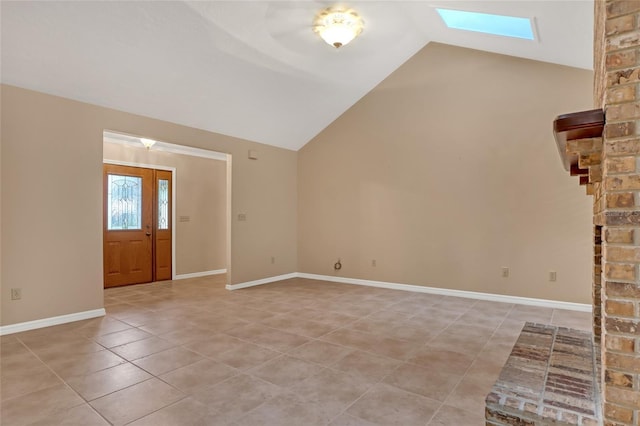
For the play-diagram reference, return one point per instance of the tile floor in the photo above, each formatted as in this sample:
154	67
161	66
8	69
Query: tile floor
297	352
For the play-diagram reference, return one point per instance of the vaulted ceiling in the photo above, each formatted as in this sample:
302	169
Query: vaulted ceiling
251	69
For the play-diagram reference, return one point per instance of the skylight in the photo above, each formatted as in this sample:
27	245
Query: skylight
509	26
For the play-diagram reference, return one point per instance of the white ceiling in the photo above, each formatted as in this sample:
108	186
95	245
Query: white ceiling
250	69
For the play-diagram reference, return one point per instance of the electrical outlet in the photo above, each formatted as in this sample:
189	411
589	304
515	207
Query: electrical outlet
16	293
552	276
373	263
505	272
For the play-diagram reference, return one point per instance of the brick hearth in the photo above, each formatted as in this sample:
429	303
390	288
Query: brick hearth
549	378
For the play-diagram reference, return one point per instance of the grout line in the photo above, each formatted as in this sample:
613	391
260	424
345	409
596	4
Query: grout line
64	382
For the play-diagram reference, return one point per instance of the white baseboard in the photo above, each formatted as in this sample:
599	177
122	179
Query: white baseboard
200	274
48	322
555	304
261	281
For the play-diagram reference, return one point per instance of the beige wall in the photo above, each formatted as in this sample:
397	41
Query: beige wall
448	171
200	195
51	166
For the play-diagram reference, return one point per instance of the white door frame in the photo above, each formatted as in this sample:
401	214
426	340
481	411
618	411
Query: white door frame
134	141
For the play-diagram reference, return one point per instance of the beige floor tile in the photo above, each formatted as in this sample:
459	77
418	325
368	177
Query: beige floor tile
291	324
334	319
20	361
255	315
320	352
373	342
393	348
470	345
99	326
366	365
347	420
572	319
12	346
186	412
39	342
39	405
164	326
121	337
430	382
82	415
531	313
390	315
350	338
104	382
84	363
216	344
8	338
56	352
132	314
475	330
168	360
23	379
447	361
201	374
285	410
470	394
137	401
285	371
449	416
142	348
388	405
268	337
330	391
246	356
237	396
187	335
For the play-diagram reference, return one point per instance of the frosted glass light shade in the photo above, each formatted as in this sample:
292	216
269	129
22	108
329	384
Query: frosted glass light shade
338	26
148	143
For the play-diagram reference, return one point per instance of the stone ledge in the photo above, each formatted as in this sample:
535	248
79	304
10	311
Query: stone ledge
550	378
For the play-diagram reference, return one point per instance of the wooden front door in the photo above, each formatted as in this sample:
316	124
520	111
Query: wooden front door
136	225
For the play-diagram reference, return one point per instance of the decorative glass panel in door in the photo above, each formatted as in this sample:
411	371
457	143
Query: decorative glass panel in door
124	202
163	204
163	237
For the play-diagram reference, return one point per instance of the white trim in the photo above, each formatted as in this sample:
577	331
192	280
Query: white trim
545	303
143	165
261	281
200	274
134	141
456	293
48	322
228	218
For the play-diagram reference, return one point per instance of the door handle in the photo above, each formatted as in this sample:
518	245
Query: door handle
148	234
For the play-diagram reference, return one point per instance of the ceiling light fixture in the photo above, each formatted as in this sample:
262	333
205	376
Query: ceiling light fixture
148	143
337	25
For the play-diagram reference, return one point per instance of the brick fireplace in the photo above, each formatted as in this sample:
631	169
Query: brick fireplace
617	209
601	148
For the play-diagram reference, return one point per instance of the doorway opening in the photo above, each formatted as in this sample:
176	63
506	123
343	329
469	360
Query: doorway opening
199	208
137	225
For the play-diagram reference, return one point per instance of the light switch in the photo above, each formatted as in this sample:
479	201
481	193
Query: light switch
242	217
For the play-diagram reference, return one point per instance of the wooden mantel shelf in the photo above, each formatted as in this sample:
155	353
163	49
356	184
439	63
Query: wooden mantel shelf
574	126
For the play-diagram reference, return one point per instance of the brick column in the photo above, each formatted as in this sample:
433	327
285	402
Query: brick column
617	63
